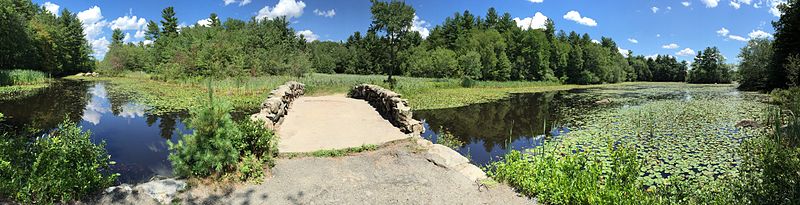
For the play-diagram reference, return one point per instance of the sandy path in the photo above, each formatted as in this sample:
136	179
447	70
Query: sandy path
333	122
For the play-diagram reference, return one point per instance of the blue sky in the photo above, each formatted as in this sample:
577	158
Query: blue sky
648	27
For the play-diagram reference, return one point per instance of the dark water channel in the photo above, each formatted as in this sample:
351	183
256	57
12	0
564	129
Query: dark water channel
135	139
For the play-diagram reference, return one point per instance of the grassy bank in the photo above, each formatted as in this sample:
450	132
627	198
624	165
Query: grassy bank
246	94
20	83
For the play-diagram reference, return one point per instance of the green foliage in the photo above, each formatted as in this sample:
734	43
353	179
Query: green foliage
211	149
786	44
22	77
437	63
393	18
709	67
753	64
62	166
34	38
574	178
219	146
344	152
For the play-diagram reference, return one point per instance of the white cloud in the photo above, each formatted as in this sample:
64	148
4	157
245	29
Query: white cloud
575	16
288	8
658	35
759	34
128	23
93	24
686	3
420	26
623	51
735	5
100	46
328	13
308	35
51	7
633	40
536	1
710	3
654	9
738	38
671	46
595	41
147	42
651	56
669	8
241	3
139	34
91	15
685	52
723	31
536	22
745	1
773	7
127	38
204	22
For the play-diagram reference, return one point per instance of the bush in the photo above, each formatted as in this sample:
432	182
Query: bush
211	149
574	178
219	146
21	77
62	166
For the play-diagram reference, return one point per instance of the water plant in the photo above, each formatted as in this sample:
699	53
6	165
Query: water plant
448	139
22	77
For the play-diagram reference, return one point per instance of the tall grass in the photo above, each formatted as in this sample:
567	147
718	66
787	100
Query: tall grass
22	77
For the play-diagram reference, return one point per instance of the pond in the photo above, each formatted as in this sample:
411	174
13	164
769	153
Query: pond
135	139
676	128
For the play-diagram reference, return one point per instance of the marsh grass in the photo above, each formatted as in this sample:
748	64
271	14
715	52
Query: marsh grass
247	93
22	77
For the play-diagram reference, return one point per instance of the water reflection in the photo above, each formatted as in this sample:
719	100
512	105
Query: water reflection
134	138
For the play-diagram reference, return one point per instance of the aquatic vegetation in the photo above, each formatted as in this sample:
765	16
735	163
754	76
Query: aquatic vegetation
246	93
22	77
61	166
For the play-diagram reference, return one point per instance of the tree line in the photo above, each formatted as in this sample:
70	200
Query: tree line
766	64
492	47
35	39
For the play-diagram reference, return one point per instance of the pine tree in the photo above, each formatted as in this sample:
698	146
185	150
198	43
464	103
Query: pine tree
169	23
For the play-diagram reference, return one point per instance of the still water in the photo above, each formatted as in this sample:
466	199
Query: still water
135	139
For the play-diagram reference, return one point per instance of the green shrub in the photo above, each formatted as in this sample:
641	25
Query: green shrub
21	77
468	82
219	147
62	166
574	178
211	149
257	141
448	139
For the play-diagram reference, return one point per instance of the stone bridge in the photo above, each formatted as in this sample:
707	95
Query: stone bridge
369	114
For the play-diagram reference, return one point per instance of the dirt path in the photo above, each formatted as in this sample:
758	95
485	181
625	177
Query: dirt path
397	173
333	122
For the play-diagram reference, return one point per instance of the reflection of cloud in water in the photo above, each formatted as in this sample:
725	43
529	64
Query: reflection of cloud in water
97	106
153	148
161	169
132	110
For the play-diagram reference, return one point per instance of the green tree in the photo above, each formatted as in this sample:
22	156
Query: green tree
709	67
117	37
394	19
787	42
153	32
214	20
169	24
754	62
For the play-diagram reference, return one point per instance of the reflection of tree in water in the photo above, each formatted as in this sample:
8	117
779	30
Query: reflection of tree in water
167	123
48	107
498	122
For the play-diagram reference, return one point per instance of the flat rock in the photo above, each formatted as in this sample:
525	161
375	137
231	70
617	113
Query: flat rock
161	190
472	172
445	157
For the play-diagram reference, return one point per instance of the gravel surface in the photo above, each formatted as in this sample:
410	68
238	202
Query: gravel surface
397	173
